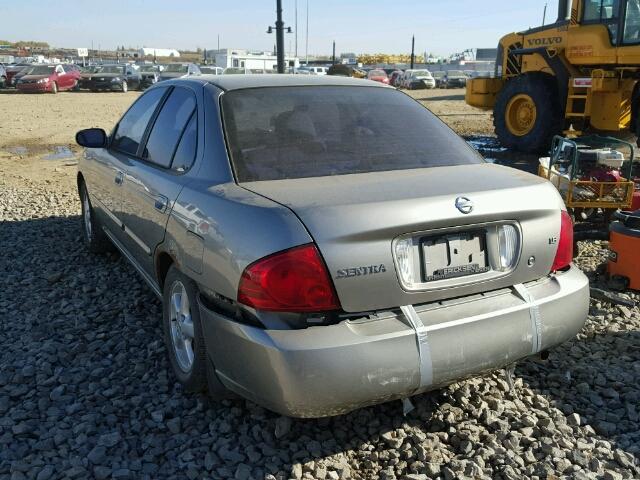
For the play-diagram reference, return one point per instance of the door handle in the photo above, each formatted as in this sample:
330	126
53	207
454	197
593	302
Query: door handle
119	178
160	203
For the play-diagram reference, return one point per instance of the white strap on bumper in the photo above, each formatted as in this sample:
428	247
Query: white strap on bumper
534	314
422	341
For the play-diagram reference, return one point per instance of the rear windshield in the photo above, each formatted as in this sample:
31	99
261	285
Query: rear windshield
313	131
176	68
41	70
110	69
377	73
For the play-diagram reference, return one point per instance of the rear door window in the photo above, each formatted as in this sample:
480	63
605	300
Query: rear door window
294	132
187	147
133	125
169	126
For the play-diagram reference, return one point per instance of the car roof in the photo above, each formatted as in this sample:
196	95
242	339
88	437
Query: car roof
237	82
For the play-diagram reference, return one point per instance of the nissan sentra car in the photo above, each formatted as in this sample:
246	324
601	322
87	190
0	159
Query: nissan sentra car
324	243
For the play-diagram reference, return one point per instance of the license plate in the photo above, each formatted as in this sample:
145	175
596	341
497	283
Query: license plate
455	255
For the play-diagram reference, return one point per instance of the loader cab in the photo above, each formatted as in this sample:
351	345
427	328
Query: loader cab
621	17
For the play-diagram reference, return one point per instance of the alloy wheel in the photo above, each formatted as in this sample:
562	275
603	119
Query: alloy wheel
182	332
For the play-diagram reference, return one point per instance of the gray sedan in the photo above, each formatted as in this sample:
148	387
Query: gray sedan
325	243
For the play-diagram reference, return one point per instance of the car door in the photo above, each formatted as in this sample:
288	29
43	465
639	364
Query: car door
155	177
106	167
70	77
133	80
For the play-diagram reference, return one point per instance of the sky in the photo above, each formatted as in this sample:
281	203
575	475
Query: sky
441	27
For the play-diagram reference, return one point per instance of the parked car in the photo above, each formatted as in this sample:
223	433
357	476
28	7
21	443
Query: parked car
209	70
418	79
341	248
395	77
378	75
149	75
456	79
13	70
49	78
179	70
117	77
316	70
440	78
3	76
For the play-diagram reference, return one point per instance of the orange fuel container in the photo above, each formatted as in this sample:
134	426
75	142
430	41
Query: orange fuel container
624	246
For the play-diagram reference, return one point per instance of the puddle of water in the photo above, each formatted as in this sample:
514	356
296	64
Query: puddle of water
60	153
18	150
493	152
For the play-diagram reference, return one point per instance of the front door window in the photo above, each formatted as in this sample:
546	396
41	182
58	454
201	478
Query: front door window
605	12
632	23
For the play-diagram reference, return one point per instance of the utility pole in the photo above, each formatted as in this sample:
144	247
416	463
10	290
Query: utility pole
413	47
279	37
306	48
218	43
295	26
544	14
333	57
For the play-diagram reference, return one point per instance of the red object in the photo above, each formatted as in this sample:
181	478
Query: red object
624	244
294	280
378	76
604	175
635	203
564	254
64	76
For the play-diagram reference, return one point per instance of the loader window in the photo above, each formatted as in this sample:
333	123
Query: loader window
632	23
605	12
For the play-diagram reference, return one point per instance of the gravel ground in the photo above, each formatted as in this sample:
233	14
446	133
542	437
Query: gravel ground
85	388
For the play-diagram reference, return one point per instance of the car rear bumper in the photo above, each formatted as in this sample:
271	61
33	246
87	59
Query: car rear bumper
330	370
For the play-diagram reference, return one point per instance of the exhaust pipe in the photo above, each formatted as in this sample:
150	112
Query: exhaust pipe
564	10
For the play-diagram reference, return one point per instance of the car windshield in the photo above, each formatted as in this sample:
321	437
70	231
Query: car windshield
176	68
377	73
438	74
296	132
456	73
110	69
148	68
41	70
422	73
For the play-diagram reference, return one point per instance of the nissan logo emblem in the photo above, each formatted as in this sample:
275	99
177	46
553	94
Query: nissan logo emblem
464	205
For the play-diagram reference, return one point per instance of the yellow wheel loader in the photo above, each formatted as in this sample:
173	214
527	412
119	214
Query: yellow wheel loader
577	75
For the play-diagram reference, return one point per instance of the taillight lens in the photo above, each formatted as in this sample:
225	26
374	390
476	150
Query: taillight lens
564	255
295	280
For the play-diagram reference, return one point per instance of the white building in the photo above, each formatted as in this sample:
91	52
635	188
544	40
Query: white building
229	57
158	52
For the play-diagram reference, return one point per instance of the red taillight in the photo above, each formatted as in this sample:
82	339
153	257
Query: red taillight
564	255
295	280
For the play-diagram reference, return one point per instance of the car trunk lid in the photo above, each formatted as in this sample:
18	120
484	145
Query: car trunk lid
357	219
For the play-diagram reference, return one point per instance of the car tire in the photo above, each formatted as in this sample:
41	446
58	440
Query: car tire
54	88
76	86
182	331
124	87
94	237
527	113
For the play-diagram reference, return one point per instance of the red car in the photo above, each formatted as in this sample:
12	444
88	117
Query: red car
50	78
378	76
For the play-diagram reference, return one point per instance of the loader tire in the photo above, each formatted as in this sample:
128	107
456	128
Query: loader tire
528	113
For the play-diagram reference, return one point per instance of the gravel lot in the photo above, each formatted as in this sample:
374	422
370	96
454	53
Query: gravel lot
85	388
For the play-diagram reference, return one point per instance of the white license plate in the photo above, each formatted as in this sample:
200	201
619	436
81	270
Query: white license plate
455	255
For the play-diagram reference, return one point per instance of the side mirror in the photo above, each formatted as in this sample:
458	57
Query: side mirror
92	138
